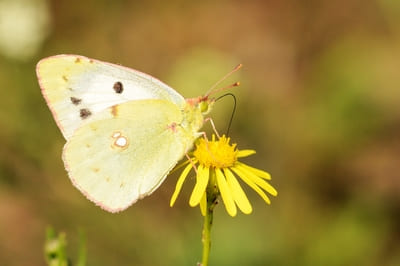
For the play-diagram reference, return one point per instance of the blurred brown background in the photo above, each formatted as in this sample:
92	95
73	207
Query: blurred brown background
319	101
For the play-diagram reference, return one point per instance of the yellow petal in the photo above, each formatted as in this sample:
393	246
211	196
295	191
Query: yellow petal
179	184
238	194
256	171
258	180
201	185
203	204
226	193
179	166
245	153
249	182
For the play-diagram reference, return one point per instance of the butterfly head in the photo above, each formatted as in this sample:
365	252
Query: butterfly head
203	103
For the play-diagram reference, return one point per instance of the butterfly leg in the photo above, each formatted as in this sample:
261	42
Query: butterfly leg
191	162
209	119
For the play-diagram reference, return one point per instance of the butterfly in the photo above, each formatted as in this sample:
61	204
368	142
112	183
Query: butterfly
124	130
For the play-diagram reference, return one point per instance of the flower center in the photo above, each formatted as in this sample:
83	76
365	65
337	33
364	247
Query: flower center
216	153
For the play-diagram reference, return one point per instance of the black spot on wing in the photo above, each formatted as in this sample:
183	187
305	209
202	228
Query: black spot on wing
118	88
76	101
84	113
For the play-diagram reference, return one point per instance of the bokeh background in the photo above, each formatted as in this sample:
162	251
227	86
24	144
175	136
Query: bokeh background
319	101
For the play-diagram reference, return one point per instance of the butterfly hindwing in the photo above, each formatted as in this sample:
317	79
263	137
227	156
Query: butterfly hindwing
76	88
127	152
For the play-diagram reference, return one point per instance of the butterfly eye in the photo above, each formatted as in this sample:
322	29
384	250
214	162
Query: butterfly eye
205	107
118	87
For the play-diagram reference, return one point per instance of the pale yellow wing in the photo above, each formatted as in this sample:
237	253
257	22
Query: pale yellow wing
76	88
127	153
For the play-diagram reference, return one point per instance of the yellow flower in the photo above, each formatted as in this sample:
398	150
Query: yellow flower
217	169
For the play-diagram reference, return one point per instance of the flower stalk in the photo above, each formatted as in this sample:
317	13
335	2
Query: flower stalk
211	198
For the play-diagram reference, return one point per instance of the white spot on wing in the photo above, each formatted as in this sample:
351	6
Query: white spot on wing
119	141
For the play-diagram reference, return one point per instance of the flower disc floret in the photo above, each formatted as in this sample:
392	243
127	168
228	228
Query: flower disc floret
216	154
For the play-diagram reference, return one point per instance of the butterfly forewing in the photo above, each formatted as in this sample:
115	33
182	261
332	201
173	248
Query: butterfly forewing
76	88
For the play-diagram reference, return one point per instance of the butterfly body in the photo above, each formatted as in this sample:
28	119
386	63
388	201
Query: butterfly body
125	130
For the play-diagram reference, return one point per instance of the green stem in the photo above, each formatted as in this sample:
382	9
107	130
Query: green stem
208	219
212	196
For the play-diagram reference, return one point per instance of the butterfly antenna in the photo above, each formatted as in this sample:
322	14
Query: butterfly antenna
212	91
233	110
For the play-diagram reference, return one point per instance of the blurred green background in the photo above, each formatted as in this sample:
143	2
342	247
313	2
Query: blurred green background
319	101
